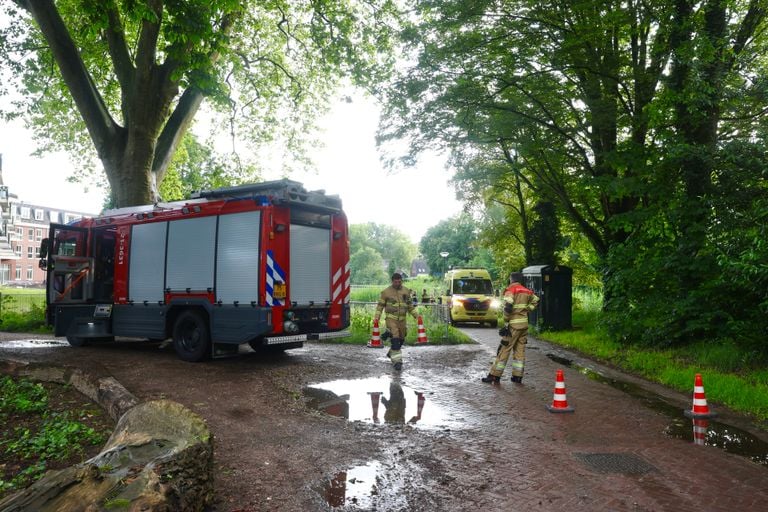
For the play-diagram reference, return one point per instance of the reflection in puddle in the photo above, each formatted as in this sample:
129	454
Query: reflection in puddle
372	486
355	486
32	343
376	400
699	431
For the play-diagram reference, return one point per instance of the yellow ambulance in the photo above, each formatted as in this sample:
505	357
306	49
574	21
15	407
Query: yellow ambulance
470	297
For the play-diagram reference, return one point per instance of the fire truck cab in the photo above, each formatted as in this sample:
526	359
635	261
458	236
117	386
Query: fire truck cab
265	264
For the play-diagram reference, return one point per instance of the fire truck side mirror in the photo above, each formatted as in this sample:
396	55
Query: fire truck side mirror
44	248
43	263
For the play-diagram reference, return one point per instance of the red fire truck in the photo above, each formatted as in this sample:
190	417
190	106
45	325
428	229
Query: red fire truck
265	264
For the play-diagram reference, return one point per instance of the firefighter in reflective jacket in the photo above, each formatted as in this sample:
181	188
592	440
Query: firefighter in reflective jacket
396	302
518	301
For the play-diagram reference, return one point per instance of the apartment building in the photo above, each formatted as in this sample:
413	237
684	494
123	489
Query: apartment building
22	227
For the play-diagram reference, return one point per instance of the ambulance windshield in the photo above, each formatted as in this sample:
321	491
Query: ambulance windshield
473	286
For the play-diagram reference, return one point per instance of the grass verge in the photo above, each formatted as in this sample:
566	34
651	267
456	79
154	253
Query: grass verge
731	377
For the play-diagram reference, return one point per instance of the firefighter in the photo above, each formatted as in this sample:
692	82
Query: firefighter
396	301
394	406
518	301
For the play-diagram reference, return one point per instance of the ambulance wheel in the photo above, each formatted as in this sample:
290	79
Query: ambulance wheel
76	341
191	337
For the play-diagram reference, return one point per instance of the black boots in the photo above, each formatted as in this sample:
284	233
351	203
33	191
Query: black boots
491	379
516	379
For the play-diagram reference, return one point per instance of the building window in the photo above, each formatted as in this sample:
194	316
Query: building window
20	233
31	234
18	273
18	250
25	212
39	214
30	273
54	216
31	251
38	234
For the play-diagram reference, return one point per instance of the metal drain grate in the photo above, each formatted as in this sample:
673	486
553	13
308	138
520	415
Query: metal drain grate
615	463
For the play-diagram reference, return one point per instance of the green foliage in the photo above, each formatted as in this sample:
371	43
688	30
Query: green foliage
117	503
644	124
438	332
25	477
367	293
458	236
57	436
21	396
734	376
32	320
373	244
196	167
367	267
132	80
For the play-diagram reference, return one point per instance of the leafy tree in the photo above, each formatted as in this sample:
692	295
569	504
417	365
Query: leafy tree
457	236
196	167
621	114
133	74
367	267
394	246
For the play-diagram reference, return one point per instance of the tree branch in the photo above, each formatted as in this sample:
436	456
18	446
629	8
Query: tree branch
101	127
174	130
147	45
118	47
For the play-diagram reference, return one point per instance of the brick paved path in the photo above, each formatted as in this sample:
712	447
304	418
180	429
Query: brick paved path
498	448
522	457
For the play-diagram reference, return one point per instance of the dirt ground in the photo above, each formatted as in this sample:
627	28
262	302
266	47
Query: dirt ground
429	438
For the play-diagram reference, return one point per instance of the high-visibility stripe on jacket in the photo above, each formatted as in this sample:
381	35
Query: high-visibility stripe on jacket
396	303
522	300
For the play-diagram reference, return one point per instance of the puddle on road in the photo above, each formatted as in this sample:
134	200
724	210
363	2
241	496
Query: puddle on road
706	432
32	343
377	400
357	487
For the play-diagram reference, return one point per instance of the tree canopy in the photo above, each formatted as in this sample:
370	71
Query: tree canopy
124	79
393	247
642	124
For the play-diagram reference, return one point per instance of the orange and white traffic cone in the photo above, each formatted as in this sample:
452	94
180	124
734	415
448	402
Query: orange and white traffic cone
375	396
375	341
700	408
422	338
419	403
700	427
419	406
559	400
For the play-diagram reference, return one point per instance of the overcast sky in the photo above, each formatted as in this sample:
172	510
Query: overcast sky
349	166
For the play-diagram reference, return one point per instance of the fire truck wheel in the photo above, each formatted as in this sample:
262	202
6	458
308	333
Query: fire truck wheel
76	341
191	337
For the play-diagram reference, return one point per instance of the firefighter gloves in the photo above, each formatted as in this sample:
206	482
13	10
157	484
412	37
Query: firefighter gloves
504	331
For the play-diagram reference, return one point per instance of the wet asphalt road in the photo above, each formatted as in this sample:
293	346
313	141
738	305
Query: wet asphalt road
333	427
